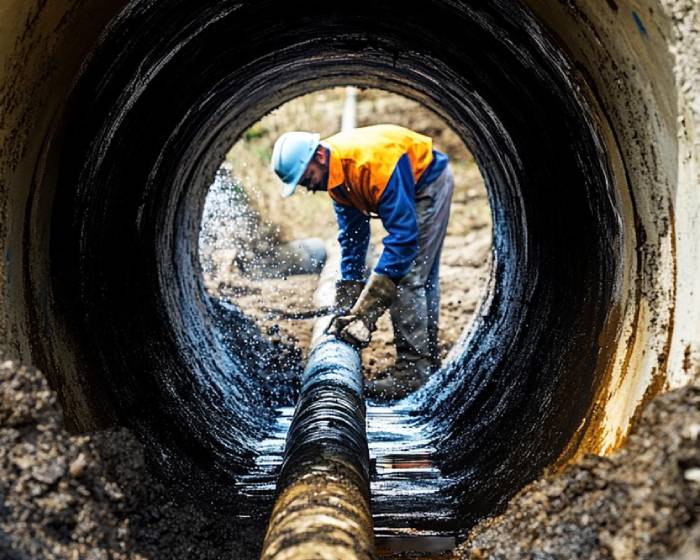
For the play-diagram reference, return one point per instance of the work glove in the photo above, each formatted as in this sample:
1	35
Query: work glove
346	294
357	326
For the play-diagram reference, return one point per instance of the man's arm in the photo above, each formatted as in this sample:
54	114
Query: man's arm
353	236
397	210
398	213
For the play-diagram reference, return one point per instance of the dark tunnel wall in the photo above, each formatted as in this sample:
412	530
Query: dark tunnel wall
100	279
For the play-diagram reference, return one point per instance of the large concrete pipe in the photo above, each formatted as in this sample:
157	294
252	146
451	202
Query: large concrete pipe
114	116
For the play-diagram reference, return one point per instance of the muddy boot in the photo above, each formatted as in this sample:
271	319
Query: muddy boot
400	380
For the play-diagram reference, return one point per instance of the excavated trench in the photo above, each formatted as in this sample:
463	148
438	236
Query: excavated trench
114	117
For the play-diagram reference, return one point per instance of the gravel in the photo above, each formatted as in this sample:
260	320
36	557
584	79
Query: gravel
92	497
642	502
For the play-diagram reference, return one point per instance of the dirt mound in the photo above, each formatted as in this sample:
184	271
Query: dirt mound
642	502
91	497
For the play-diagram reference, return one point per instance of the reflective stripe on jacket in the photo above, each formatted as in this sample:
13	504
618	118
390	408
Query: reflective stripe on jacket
363	159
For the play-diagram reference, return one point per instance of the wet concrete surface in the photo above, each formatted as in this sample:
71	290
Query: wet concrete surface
121	232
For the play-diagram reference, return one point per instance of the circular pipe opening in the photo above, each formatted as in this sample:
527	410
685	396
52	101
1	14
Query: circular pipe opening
148	124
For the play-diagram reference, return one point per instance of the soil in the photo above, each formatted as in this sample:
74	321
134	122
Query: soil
465	259
642	502
91	497
464	273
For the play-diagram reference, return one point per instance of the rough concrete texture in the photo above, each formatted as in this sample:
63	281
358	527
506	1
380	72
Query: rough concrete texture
685	23
684	18
628	56
642	502
41	50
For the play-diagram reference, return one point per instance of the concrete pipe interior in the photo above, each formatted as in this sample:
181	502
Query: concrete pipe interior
115	116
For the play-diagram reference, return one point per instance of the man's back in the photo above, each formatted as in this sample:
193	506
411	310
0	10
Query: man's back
363	160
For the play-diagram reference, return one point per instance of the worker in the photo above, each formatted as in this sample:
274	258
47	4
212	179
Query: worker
394	174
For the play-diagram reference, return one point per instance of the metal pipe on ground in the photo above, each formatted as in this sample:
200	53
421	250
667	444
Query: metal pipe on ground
322	508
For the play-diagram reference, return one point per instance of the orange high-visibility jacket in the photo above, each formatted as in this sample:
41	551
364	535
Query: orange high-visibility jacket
363	160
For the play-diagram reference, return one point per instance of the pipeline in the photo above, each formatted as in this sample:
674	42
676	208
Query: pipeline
323	505
322	508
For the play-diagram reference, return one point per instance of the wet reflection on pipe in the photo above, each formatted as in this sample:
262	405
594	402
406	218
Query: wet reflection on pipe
322	508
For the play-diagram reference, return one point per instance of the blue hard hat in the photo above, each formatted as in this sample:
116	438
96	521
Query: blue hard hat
292	153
